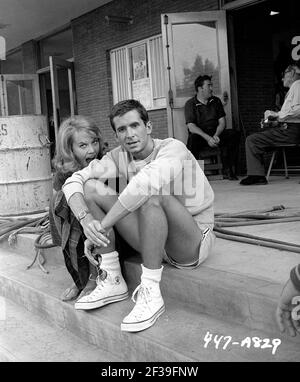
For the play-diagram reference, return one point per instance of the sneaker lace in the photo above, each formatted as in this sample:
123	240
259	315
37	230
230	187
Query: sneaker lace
142	300
100	281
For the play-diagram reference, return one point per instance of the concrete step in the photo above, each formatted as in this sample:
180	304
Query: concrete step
248	301
177	336
27	337
239	282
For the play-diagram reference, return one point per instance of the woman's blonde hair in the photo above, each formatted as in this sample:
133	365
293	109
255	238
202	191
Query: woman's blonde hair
64	160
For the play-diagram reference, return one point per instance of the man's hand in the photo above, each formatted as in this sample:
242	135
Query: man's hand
284	309
216	139
94	231
270	113
211	142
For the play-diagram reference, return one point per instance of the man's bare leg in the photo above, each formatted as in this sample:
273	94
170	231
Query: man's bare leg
161	222
112	286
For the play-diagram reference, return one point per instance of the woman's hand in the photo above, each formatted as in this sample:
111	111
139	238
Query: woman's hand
92	253
94	231
88	251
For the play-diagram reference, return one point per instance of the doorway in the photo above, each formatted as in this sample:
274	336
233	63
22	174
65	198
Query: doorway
186	56
266	40
58	95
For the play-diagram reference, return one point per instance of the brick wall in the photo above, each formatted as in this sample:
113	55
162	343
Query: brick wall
93	39
255	76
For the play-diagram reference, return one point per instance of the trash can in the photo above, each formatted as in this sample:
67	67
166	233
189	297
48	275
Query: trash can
25	169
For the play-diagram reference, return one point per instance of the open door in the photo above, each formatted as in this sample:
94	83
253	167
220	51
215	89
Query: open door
63	70
194	43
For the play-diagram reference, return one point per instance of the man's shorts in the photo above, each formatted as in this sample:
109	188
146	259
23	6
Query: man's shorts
206	247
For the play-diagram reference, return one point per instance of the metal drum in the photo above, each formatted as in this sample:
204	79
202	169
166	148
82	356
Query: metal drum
25	170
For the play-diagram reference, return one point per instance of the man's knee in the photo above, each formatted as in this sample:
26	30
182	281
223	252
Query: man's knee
156	201
89	189
251	140
153	201
92	189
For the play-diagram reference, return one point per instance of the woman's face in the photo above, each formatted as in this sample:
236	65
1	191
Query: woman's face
85	147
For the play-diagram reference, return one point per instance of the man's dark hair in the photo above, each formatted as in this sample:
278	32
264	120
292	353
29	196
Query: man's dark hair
124	107
199	81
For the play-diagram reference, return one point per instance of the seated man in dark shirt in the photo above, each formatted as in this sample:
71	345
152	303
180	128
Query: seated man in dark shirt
205	119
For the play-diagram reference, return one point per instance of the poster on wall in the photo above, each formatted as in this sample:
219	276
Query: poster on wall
139	62
142	92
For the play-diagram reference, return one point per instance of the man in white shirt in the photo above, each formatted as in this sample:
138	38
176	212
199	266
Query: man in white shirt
164	211
288	130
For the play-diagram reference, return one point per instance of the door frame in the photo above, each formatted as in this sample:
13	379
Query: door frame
181	17
54	64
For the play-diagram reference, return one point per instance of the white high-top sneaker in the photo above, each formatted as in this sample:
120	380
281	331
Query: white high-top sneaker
149	306
112	289
111	286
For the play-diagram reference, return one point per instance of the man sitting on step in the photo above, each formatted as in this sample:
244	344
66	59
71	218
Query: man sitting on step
205	120
164	211
286	132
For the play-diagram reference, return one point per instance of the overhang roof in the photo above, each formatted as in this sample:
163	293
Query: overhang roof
24	20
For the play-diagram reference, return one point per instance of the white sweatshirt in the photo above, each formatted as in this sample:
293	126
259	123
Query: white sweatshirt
170	169
290	110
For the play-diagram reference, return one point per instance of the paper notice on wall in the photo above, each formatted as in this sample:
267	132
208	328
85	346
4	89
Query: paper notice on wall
141	91
139	62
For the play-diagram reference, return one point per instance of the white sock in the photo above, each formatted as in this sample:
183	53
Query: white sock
151	275
110	261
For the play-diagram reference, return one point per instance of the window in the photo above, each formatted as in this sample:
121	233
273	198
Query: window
137	72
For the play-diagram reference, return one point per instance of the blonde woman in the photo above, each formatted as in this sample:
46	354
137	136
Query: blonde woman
79	142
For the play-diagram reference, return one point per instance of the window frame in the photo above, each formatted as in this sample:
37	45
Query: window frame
157	102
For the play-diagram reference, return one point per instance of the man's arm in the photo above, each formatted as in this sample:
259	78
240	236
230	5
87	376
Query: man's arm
291	107
116	213
194	129
92	228
220	128
102	169
189	114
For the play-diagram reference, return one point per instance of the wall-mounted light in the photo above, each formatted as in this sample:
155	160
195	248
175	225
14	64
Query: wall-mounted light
273	13
119	19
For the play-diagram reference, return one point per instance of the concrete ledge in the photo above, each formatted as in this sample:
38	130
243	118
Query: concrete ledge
232	297
27	337
229	294
177	336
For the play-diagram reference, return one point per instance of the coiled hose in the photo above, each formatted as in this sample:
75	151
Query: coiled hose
11	227
255	218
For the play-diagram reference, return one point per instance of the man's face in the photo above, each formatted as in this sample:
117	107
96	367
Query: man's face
288	76
206	89
133	134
